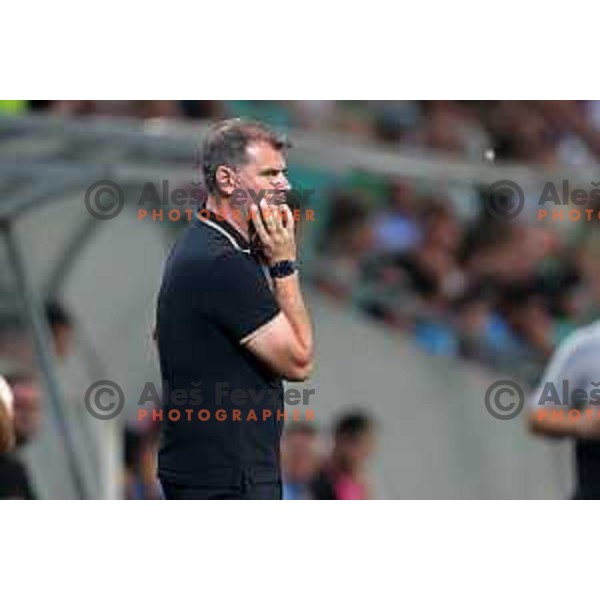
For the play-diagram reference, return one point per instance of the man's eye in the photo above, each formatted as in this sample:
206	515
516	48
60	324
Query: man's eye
275	173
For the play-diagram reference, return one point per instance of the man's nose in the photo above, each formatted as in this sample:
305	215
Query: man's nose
282	184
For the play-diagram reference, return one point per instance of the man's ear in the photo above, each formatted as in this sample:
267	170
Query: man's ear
225	178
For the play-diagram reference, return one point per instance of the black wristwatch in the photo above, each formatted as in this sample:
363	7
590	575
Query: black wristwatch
283	268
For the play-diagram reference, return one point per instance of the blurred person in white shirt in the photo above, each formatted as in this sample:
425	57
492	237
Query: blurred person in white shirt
570	387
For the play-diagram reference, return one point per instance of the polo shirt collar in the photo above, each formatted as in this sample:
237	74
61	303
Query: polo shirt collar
226	229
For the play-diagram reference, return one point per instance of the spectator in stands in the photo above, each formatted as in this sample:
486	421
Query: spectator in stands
347	240
141	448
483	335
434	273
317	115
299	460
69	108
432	265
441	132
202	109
529	317
61	327
343	477
397	229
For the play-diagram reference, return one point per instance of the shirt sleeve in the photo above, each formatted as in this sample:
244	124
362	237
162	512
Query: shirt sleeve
575	366
240	301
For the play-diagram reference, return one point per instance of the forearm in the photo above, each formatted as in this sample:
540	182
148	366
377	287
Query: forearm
289	297
555	425
292	338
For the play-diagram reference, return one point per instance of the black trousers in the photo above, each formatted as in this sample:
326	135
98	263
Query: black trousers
586	494
253	491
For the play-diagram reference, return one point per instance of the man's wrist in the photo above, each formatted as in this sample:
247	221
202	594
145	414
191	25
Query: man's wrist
282	268
277	259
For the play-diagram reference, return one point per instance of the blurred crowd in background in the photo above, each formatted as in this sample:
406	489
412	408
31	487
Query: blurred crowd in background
424	260
435	263
502	293
534	132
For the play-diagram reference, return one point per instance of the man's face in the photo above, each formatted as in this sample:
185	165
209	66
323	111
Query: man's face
357	449
264	175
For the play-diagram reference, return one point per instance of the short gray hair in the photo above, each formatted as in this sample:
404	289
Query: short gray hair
227	142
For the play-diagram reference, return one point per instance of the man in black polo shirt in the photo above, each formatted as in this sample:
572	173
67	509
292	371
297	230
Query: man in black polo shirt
227	334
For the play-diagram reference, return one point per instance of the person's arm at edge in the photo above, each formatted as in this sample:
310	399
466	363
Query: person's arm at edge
554	421
539	423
